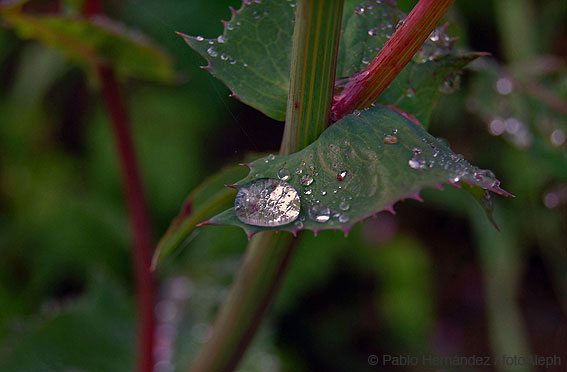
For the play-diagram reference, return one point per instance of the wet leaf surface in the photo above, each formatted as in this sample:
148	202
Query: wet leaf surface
355	170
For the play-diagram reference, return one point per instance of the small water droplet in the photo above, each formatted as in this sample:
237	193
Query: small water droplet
343	218
410	92
298	171
245	64
319	213
399	24
267	202
199	38
359	10
308	191
485	178
232	61
390	139
373	31
323	192
450	84
417	161
271	156
224	57
212	52
230	26
342	175
221	39
283	174
344	205
306	180
298	225
365	60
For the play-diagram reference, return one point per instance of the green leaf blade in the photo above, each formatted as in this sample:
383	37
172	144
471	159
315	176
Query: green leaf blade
378	174
252	56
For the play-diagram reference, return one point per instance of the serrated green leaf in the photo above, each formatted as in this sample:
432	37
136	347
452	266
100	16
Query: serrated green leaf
362	165
252	56
95	40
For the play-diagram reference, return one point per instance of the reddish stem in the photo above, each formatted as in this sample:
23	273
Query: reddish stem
139	217
365	87
140	226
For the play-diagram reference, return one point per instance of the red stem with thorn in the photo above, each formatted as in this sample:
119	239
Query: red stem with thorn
141	230
365	87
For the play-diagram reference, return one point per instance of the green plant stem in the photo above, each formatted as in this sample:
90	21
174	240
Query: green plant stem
365	87
313	66
315	49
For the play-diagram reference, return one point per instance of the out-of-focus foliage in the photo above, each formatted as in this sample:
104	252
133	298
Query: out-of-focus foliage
98	40
435	278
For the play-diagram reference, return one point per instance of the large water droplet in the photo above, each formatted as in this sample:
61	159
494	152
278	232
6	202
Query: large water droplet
283	174
319	213
267	202
306	180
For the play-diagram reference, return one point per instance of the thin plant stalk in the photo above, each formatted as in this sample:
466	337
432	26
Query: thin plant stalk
315	49
139	217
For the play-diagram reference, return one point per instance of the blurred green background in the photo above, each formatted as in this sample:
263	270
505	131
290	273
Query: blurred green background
435	279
